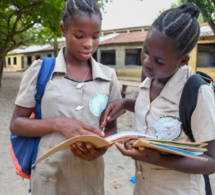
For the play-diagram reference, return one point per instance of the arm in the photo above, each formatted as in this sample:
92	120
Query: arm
115	108
174	162
21	125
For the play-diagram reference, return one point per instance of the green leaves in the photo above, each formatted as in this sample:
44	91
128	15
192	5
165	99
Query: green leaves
20	20
207	8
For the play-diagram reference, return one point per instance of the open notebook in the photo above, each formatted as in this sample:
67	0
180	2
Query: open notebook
188	149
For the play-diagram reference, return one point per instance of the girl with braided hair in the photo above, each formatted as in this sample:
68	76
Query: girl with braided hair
76	94
164	56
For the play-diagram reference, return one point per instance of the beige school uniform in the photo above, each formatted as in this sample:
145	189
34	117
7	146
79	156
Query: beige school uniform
155	180
62	173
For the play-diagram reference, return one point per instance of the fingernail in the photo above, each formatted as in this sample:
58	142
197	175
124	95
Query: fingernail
102	134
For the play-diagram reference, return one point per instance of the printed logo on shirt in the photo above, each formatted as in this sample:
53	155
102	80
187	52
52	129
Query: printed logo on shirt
98	103
168	128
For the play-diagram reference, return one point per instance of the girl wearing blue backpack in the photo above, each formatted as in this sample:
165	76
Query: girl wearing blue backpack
76	94
164	56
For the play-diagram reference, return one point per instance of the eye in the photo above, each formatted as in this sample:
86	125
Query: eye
159	62
78	36
96	37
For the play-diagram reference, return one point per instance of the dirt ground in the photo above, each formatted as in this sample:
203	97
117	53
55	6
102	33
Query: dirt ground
118	171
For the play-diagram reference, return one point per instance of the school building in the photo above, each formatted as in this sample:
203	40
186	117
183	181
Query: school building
121	49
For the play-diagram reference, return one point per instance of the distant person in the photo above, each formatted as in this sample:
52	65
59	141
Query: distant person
74	98
164	56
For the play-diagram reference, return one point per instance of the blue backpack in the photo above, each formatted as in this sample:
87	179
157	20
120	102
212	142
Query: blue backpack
23	150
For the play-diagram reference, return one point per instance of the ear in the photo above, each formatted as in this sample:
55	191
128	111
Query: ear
184	60
63	30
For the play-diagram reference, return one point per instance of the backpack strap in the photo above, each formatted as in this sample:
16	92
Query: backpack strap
45	72
188	102
187	105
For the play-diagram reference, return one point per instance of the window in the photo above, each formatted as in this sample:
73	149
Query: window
38	57
205	56
29	59
108	57
132	57
8	61
14	60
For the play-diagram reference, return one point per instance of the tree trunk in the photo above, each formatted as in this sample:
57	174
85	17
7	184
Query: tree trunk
2	63
212	25
55	47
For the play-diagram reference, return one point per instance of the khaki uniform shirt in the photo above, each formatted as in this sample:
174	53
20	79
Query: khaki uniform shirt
155	180
62	173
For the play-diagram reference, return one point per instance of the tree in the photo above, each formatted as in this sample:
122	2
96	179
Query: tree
207	8
20	22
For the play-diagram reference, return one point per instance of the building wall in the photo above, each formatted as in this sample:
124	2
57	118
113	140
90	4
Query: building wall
23	64
10	61
132	72
120	56
120	50
193	63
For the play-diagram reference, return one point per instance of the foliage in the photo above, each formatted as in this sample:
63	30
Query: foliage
174	5
20	19
207	8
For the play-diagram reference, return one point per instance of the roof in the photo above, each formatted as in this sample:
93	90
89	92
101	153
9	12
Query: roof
206	30
139	36
35	48
131	37
114	38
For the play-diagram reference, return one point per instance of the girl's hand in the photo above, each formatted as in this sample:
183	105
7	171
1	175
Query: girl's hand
70	128
112	111
87	151
142	154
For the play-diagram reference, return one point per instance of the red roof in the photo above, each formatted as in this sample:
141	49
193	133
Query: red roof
130	37
139	36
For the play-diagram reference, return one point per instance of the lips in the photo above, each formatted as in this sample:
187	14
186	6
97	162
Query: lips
147	72
86	54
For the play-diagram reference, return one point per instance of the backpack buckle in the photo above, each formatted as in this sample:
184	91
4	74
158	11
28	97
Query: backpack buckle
38	98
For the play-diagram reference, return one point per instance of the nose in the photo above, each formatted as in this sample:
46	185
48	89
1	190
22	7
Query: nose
88	43
147	61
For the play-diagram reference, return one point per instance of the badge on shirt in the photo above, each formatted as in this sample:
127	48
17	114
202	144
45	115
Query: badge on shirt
168	128
98	103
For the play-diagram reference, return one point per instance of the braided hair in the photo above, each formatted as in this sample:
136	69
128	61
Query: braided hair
73	8
181	25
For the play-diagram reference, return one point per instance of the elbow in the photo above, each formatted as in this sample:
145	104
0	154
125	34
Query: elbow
212	171
210	168
13	128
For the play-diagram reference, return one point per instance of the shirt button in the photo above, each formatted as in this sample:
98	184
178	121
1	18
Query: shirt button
139	171
149	106
79	108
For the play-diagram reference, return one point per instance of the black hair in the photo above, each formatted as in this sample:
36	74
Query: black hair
72	8
181	25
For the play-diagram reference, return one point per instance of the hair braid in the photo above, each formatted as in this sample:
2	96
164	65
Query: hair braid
181	25
72	8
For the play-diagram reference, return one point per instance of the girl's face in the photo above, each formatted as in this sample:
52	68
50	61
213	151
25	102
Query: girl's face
82	36
159	58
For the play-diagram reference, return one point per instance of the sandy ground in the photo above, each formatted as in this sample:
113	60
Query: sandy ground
118	171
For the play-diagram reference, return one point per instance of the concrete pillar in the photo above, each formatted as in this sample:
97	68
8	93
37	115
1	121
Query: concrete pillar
120	58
